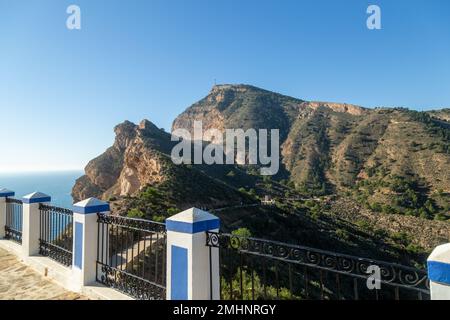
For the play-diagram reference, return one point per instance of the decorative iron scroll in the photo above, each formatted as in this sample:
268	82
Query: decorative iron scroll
55	252
129	284
12	234
132	223
44	207
391	273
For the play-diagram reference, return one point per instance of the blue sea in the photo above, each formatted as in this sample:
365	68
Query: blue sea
58	185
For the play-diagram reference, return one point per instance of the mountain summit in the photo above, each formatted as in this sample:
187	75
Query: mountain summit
332	146
389	167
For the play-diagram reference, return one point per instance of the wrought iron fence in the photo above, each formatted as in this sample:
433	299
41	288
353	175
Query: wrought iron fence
131	256
14	220
253	269
56	233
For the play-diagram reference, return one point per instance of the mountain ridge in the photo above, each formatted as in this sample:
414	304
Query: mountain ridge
388	161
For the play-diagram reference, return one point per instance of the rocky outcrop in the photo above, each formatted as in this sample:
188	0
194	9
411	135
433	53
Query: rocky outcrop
325	148
134	161
244	106
328	147
387	171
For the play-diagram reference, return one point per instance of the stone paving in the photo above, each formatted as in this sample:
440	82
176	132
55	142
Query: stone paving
20	282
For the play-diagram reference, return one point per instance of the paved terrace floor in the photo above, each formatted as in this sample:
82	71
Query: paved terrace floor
19	282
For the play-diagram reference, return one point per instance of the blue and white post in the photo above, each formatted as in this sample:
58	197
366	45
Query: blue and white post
4	193
30	224
439	272
85	237
190	263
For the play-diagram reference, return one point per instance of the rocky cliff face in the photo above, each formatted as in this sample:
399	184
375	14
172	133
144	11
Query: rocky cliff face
135	160
331	147
326	148
140	158
372	163
244	106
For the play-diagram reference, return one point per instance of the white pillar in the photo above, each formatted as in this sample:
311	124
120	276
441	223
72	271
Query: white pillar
85	237
439	272
30	227
190	263
4	193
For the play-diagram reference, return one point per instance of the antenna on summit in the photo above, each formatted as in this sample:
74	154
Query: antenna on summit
215	82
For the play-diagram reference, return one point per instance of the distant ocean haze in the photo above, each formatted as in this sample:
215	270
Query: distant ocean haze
58	185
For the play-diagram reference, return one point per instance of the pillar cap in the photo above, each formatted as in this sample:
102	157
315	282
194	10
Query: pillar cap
36	197
6	193
439	264
192	220
441	253
91	205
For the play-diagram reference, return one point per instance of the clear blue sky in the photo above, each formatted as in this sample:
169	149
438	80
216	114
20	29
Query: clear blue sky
62	91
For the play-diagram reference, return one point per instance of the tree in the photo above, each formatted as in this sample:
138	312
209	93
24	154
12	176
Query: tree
135	213
423	213
376	207
242	232
172	211
429	206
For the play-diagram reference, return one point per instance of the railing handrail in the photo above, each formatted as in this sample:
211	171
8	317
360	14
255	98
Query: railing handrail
294	246
132	223
13	200
45	207
137	219
420	276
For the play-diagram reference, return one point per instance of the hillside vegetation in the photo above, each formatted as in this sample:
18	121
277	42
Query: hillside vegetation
371	182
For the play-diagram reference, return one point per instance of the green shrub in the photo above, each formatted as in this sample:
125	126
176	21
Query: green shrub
172	211
363	224
440	217
342	234
401	237
135	213
242	232
414	249
375	206
158	218
259	291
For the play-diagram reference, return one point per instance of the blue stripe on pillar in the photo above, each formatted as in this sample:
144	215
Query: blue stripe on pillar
178	274
439	272
36	200
78	245
189	227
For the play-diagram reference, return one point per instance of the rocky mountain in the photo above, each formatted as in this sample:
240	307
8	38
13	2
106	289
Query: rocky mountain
140	159
349	174
133	160
329	148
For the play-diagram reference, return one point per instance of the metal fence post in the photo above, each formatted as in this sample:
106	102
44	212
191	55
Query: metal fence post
192	267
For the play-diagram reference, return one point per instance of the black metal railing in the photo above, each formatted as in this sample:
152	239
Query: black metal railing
252	269
56	234
14	220
131	256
